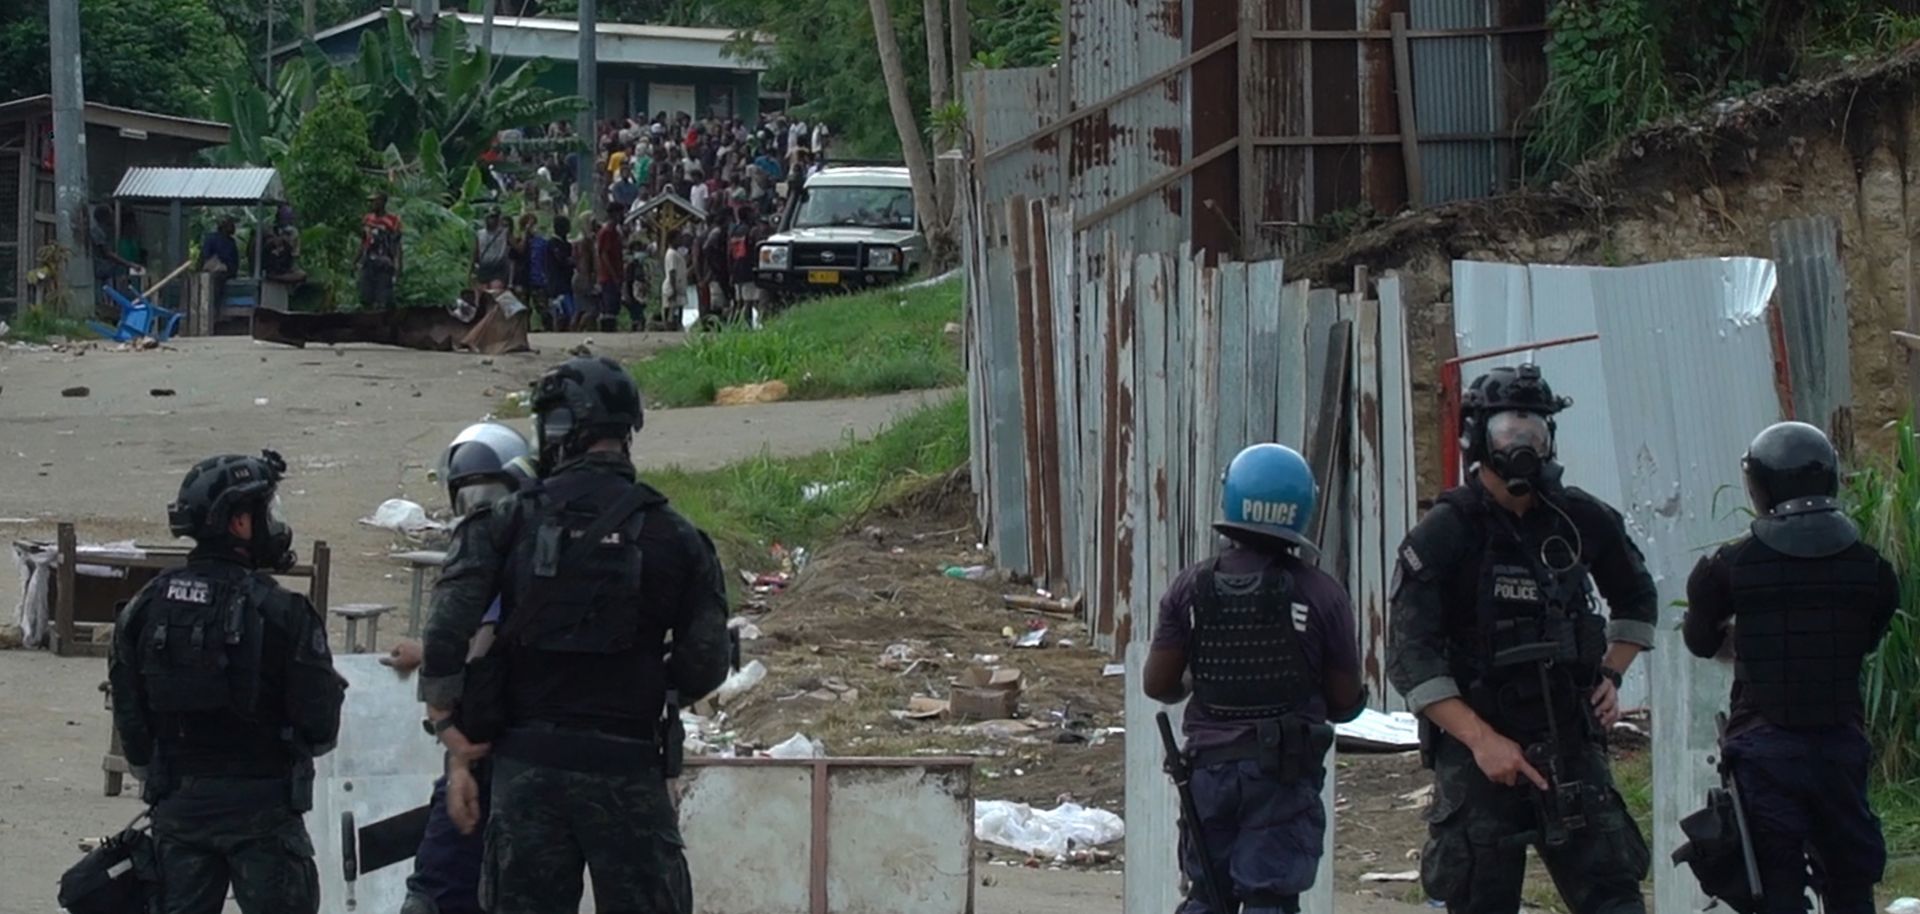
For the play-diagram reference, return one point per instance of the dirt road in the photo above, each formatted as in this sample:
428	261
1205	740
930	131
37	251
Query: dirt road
358	425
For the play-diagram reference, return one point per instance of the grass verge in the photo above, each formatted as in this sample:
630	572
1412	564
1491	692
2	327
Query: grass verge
875	342
37	325
749	504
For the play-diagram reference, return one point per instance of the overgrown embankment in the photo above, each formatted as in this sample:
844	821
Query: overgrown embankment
877	342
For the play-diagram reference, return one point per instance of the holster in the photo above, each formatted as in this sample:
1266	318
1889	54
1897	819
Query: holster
161	780
482	714
673	743
1714	850
300	784
1290	748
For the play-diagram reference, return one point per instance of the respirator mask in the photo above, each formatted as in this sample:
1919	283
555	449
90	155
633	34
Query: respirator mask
272	544
1519	445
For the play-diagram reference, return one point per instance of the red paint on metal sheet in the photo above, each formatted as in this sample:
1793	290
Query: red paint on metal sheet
1160	493
1047	389
1093	141
1215	119
1168	18
1164	146
1023	270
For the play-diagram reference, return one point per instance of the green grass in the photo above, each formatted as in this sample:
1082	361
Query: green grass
749	504
37	325
875	342
1885	500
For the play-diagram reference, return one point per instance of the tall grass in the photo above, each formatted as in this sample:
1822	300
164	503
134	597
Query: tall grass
749	504
37	325
1885	502
883	341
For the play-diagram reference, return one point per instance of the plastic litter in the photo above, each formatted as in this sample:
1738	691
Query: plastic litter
1376	731
1405	876
403	517
968	573
1033	638
1049	833
799	746
748	631
1904	906
814	490
739	681
1114	669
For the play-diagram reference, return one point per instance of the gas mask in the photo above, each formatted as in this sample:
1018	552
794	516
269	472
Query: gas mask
1519	445
551	429
272	544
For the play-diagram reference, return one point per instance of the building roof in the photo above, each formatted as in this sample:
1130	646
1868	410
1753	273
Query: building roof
558	39
202	185
211	133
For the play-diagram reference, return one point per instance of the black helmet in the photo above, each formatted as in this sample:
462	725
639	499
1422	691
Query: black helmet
1793	477
579	402
485	461
1519	397
218	489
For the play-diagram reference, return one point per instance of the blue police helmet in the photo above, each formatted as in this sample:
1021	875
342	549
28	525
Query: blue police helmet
1268	492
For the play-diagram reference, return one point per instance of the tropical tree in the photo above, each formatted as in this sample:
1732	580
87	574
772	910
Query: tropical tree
327	168
457	91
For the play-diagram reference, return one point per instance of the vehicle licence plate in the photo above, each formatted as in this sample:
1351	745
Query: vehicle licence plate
823	277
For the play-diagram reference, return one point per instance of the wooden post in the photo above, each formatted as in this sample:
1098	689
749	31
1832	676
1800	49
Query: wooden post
1409	133
322	569
1250	195
63	602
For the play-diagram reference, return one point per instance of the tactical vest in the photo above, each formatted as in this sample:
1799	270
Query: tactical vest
1247	659
571	596
200	663
1525	613
1803	627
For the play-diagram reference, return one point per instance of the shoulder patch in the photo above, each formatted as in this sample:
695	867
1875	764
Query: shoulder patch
1300	613
1412	558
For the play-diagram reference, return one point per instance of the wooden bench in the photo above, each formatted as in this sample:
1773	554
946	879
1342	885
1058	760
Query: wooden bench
356	613
418	563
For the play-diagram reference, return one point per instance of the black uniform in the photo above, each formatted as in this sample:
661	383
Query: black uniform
1475	590
578	778
224	692
1808	603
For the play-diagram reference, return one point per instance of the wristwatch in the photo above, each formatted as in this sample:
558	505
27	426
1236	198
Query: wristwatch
436	727
1612	674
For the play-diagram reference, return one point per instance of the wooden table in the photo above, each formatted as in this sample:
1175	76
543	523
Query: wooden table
418	562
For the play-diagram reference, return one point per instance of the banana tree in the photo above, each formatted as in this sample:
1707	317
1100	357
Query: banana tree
456	90
262	123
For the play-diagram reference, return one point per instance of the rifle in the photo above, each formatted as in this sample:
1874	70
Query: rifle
1176	766
1558	808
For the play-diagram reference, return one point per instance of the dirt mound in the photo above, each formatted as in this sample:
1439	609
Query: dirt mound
871	621
1707	185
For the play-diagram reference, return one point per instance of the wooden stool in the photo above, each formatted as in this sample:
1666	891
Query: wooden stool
419	563
355	613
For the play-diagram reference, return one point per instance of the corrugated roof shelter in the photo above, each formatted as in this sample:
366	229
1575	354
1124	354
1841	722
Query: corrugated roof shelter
202	186
117	139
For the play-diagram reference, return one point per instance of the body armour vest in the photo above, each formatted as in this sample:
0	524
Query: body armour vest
200	664
1247	659
1802	629
573	596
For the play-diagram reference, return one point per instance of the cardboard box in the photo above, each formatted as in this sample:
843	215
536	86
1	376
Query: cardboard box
985	693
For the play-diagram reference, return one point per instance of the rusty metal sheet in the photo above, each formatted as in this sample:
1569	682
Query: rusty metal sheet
1813	309
1127	447
1454	94
1153	288
1152	841
1111	47
1266	299
1204	469
1006	426
1397	471
1230	411
1366	578
1003	106
1044	388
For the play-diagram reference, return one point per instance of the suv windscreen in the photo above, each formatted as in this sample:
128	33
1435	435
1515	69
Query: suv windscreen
865	207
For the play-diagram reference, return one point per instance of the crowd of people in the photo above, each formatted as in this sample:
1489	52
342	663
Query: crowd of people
738	177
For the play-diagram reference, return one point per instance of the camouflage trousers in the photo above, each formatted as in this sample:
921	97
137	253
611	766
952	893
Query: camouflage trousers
1475	858
216	832
549	824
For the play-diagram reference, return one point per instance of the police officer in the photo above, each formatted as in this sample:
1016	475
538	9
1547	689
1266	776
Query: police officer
486	462
223	693
1265	643
1496	644
594	572
1802	602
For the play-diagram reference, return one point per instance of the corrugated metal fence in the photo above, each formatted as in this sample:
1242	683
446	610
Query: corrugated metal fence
1110	389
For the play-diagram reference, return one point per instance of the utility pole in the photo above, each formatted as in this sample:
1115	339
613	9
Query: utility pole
308	27
426	16
588	86
486	35
70	155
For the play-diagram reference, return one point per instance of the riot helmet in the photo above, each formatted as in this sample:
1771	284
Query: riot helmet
1506	425
1792	474
1267	496
579	402
219	489
483	464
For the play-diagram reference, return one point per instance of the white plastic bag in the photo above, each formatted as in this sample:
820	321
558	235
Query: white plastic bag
1904	906
1049	833
739	682
799	746
404	517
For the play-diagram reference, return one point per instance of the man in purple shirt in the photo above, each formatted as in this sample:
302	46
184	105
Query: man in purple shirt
1265	643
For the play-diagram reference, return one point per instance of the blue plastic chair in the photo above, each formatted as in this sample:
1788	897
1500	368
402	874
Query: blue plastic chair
138	318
